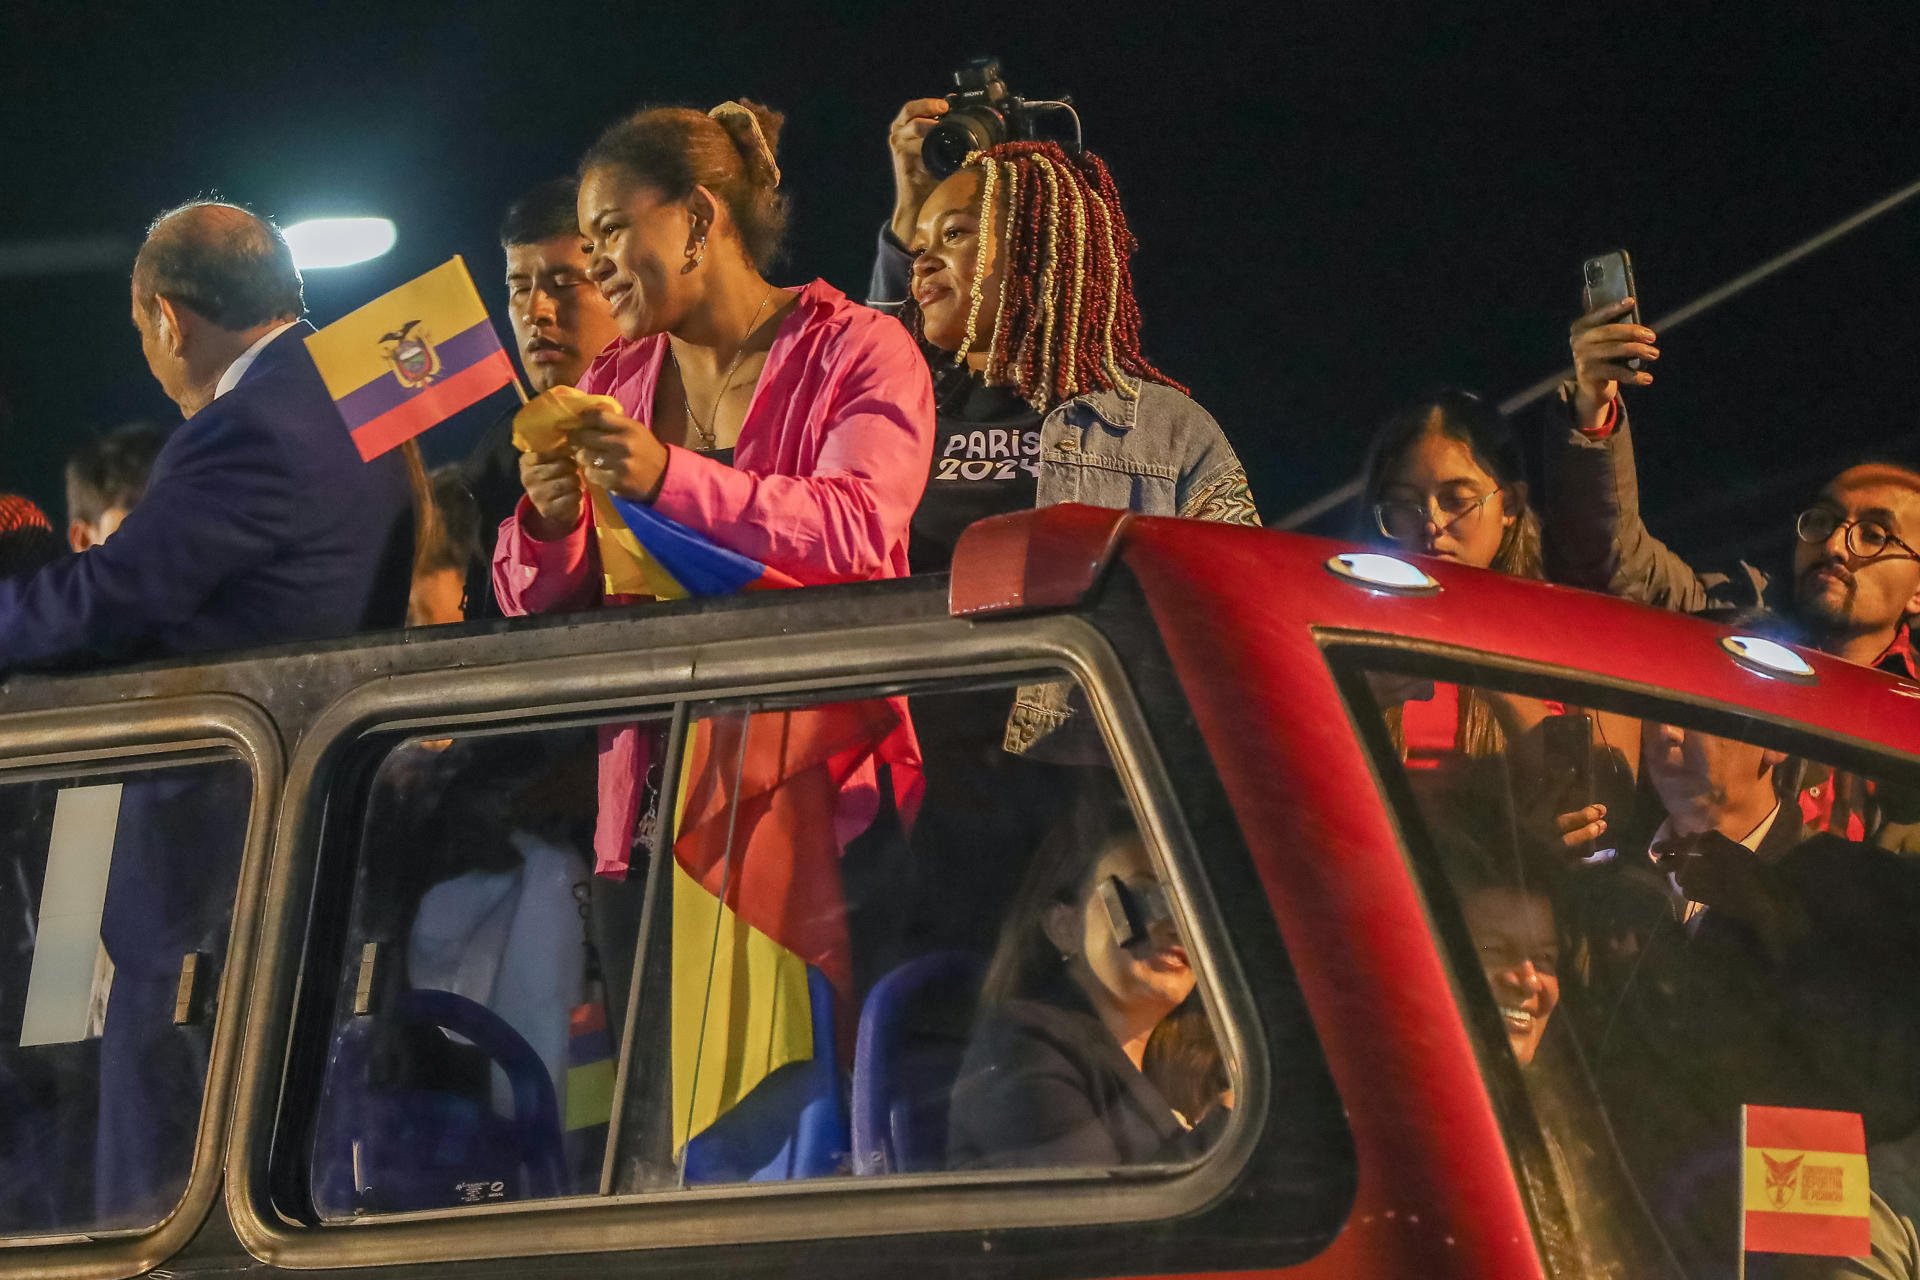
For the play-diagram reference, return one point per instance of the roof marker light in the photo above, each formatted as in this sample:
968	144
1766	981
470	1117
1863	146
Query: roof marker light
1379	572
321	243
1769	658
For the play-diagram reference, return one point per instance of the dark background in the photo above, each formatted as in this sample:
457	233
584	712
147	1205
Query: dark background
1339	205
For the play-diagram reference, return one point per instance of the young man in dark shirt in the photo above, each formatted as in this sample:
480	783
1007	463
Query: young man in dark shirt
560	323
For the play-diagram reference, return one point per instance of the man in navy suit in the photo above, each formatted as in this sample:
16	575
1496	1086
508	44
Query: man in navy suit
260	524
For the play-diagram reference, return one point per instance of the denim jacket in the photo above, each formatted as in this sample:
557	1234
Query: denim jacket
1157	453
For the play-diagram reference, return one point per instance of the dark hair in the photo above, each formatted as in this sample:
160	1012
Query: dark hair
455	540
543	213
112	471
224	262
1466	418
1025	963
674	149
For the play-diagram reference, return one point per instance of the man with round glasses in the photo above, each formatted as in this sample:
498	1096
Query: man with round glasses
1855	587
1856	575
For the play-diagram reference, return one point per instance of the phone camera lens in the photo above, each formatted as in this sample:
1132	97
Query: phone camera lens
1593	273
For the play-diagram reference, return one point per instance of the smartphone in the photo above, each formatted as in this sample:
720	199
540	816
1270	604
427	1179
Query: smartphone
1566	742
1609	279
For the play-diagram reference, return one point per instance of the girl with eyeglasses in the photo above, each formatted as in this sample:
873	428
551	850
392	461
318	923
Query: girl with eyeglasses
1444	478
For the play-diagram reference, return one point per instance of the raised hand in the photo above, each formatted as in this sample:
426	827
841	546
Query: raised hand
911	181
552	482
620	455
1602	343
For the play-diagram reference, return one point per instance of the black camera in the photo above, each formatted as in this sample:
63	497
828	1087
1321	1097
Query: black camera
981	113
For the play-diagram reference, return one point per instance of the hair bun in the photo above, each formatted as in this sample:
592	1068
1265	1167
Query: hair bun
755	130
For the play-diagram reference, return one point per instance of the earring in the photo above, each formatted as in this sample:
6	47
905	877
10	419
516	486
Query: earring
696	253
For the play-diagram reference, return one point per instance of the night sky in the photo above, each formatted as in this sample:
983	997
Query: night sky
1339	205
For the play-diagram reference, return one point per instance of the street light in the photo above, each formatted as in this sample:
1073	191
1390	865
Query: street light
319	243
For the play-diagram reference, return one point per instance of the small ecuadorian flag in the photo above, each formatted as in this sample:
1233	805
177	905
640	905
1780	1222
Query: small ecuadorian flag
642	553
1805	1182
410	358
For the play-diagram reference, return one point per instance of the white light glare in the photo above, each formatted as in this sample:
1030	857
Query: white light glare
1371	569
1769	658
319	243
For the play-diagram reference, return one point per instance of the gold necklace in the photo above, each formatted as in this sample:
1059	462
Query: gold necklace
709	439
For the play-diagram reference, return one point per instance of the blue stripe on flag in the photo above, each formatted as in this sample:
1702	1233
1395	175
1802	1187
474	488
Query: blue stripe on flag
701	566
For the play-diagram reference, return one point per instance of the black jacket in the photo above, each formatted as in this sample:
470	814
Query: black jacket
1046	1084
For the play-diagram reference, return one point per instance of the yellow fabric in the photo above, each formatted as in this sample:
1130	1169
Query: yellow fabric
624	565
1836	1182
543	422
627	570
351	352
751	994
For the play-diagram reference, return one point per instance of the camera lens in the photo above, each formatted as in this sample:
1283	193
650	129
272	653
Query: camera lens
960	133
1593	273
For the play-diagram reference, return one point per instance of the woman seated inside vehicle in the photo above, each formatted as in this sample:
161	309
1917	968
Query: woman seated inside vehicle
1091	1028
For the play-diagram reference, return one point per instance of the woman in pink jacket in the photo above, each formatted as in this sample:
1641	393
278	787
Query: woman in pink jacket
789	425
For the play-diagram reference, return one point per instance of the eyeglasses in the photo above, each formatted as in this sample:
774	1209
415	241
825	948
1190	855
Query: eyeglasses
1865	538
1407	521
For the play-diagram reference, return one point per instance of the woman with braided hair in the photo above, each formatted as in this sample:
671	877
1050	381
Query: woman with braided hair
1021	295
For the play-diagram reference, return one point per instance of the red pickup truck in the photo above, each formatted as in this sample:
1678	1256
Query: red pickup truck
304	966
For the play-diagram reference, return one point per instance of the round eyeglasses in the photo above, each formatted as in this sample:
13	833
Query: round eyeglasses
1865	538
1407	521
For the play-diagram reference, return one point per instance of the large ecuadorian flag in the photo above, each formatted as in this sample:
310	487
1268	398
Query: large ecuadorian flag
757	900
410	358
1805	1185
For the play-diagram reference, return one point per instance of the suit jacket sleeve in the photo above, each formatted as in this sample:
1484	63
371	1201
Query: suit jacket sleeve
220	502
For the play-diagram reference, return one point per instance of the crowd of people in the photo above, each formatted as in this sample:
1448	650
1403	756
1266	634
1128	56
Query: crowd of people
995	366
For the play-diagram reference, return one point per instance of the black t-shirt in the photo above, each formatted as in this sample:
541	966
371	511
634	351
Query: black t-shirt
986	461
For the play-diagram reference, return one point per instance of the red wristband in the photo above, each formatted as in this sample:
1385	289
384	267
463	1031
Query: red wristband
1608	421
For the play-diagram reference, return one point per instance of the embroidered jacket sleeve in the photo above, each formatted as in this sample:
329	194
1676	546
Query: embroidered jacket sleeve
1213	483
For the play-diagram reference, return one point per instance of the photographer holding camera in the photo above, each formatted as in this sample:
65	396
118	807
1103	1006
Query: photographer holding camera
1006	256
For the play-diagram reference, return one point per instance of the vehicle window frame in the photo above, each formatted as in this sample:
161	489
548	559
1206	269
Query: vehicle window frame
75	742
1353	656
875	659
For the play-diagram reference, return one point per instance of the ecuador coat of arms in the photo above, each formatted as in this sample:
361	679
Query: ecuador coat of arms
415	363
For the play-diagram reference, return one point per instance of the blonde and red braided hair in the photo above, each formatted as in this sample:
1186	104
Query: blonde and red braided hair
1067	321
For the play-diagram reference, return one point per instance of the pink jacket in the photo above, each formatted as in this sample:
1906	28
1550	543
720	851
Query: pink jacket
828	469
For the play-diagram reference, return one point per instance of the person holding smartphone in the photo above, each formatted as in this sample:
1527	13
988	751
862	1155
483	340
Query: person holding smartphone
1854	582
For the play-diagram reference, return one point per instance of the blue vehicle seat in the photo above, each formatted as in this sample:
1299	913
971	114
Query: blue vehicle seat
913	1033
794	1122
390	1148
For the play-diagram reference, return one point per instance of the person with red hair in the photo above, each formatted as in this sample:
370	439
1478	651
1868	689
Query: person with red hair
1020	293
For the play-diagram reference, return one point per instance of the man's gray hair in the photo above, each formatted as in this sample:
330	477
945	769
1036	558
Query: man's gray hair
223	262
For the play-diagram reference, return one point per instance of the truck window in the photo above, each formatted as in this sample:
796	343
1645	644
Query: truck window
116	898
854	937
1678	935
